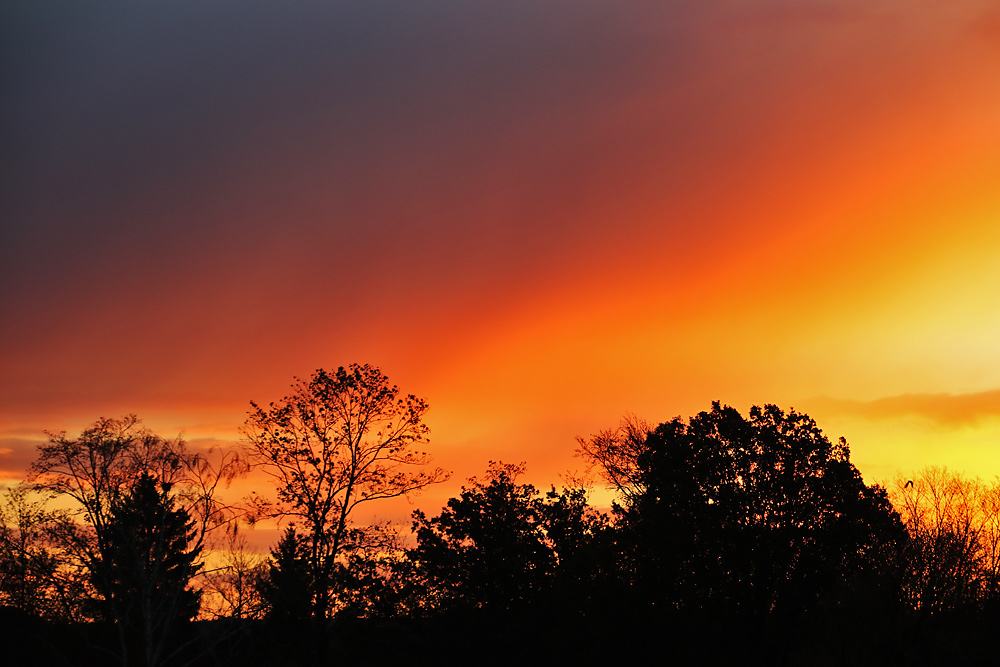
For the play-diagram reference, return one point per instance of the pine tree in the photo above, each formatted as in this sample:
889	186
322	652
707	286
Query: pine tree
288	589
148	562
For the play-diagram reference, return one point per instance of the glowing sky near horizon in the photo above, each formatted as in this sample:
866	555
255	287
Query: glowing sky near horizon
536	215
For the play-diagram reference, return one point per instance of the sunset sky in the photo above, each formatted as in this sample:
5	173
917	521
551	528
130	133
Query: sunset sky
538	215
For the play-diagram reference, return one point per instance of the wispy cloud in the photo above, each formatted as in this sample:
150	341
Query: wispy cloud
945	409
16	454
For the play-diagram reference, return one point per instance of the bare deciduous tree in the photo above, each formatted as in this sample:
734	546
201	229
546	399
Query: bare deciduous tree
28	567
231	583
954	525
615	453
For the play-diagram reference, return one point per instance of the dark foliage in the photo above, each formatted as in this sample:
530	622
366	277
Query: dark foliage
502	547
487	548
28	566
147	562
288	588
756	515
746	540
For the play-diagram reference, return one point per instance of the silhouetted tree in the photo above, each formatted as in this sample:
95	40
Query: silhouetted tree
487	548
615	453
754	515
97	469
28	566
150	555
503	546
375	579
108	474
234	587
338	440
288	589
953	556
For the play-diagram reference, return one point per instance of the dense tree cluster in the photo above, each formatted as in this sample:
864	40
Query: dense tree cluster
754	515
135	512
734	537
502	546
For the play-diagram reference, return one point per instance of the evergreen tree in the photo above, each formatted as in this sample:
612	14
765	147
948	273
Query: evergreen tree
144	575
288	589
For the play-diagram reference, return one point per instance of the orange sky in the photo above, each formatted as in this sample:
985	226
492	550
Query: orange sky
538	216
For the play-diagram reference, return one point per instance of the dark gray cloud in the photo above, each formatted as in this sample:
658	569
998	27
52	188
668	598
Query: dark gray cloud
175	168
151	145
187	188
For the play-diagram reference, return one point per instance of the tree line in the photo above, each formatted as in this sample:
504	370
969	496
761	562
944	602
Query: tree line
732	537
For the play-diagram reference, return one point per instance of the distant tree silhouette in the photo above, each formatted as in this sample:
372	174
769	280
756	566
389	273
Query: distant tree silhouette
375	579
753	515
150	555
954	553
233	588
289	587
338	440
28	567
502	546
487	548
